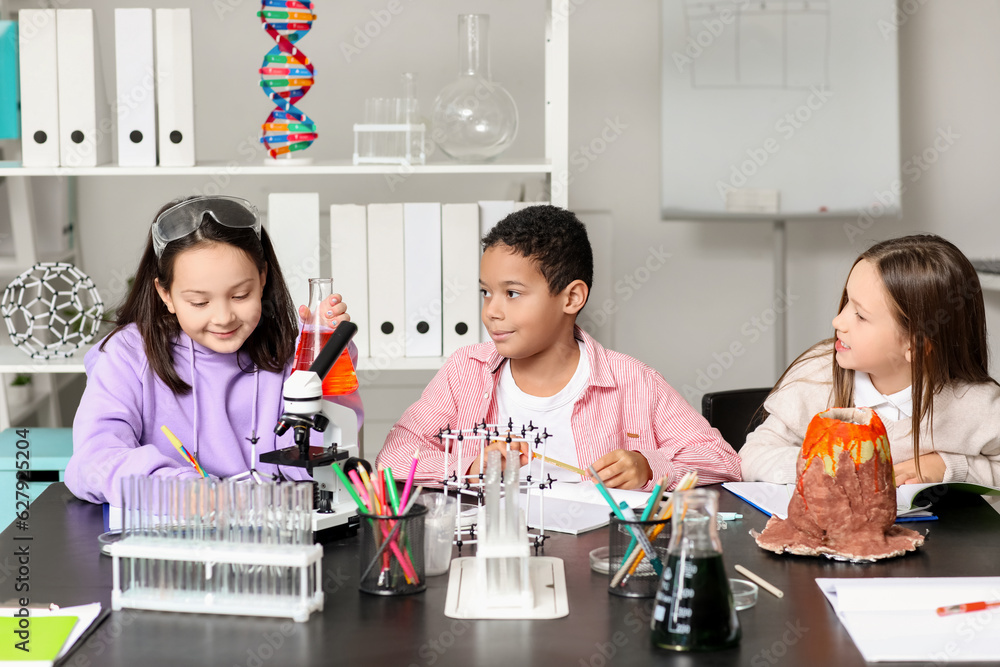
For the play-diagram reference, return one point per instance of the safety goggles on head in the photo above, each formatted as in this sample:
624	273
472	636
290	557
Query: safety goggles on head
182	219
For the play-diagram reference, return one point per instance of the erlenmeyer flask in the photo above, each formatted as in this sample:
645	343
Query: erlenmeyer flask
315	332
694	606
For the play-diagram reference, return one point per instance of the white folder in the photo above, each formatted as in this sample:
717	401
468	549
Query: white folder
422	269
490	213
349	265
39	88
84	112
175	87
135	86
385	282
293	225
460	275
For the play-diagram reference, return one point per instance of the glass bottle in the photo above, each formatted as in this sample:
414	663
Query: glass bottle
315	333
694	605
475	118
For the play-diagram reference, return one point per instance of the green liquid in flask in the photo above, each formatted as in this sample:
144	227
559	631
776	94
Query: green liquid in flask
694	606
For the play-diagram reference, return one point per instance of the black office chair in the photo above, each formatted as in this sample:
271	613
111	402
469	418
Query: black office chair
735	413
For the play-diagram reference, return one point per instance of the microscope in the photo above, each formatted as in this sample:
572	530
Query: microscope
306	411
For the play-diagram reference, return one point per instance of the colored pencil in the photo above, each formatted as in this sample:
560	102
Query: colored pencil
405	498
636	532
183	451
564	466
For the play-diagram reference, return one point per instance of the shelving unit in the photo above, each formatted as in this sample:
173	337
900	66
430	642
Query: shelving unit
554	165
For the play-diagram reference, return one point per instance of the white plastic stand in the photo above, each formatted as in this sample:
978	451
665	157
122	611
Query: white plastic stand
503	580
548	591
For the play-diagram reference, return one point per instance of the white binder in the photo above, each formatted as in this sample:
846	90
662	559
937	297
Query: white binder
422	269
293	225
84	112
135	86
349	265
460	275
385	282
175	87
39	88
490	213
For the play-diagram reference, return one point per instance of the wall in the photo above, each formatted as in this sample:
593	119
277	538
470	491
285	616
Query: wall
684	315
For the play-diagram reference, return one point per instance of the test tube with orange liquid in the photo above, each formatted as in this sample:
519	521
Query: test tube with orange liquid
342	378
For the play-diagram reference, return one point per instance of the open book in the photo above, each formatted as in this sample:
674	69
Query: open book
772	499
576	507
910	496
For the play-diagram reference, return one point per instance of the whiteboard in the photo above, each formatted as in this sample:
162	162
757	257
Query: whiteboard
779	109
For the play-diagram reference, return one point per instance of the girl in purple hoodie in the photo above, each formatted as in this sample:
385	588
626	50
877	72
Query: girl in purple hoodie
203	343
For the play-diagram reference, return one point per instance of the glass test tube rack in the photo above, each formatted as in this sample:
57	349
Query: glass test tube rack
217	547
389	143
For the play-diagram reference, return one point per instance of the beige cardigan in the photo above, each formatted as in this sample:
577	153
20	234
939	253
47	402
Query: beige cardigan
966	428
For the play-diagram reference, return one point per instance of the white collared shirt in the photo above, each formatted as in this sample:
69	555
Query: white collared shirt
893	407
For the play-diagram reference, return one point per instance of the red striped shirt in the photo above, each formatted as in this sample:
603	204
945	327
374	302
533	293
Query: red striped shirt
627	405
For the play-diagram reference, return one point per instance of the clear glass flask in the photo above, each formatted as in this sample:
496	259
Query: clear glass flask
694	605
475	118
342	379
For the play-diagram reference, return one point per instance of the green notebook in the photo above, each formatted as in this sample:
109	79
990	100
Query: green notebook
46	636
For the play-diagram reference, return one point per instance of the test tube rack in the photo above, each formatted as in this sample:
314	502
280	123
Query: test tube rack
389	143
217	547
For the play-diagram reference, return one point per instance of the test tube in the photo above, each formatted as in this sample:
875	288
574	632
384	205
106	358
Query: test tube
511	481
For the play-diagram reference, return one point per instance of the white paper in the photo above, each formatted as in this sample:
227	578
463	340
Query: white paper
575	507
896	619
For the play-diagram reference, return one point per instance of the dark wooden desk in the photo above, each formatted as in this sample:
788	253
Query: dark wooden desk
357	629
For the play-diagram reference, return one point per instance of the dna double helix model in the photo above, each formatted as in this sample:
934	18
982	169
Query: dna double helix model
286	75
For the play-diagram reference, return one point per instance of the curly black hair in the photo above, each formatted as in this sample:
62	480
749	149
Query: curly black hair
553	238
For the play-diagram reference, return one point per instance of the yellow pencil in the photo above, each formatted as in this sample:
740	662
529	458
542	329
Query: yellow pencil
564	466
183	452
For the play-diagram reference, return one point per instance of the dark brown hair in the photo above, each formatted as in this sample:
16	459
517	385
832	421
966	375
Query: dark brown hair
937	301
553	238
272	342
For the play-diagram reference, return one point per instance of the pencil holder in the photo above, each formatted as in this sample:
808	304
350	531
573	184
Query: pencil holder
392	553
630	575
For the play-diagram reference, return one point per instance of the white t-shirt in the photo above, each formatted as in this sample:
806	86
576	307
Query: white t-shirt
552	413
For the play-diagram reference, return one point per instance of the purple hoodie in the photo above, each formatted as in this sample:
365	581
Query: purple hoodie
116	432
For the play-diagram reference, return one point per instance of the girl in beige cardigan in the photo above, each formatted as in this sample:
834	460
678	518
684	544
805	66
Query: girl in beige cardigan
910	342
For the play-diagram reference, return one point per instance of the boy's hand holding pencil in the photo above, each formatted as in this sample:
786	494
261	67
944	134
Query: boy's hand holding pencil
623	469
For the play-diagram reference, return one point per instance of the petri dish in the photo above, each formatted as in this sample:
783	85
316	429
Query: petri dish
599	560
107	539
744	593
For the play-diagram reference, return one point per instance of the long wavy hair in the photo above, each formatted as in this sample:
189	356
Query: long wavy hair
936	299
271	344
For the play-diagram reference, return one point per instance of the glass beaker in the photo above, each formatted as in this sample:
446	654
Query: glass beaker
475	118
315	333
694	606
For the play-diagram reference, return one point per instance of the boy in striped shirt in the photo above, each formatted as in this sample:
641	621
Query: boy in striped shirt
601	408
